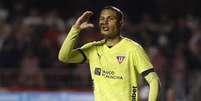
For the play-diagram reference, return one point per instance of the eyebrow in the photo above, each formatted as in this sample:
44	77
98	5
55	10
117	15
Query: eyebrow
108	16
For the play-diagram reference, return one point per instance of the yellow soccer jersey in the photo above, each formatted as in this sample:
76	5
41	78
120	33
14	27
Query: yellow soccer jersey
115	70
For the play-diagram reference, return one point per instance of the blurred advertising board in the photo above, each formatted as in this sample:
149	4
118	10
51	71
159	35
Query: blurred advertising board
46	96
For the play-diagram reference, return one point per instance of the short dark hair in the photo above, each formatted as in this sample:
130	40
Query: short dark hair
119	13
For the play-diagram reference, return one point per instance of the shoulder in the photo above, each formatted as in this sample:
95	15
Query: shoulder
131	44
93	44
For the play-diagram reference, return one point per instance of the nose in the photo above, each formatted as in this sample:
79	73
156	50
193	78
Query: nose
104	22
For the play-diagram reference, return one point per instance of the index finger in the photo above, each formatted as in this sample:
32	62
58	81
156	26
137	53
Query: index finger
87	15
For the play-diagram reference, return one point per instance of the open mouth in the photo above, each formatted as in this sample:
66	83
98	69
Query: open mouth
105	28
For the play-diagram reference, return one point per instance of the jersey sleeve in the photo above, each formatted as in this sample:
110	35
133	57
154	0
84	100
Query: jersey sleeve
141	60
66	53
154	86
87	49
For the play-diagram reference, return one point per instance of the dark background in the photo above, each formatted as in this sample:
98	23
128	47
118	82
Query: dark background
32	31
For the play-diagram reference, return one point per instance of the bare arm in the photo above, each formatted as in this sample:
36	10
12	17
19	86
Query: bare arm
67	54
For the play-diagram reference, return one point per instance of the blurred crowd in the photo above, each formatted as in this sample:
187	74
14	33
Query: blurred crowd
29	45
174	47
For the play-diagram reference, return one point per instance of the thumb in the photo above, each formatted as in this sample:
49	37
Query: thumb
86	25
90	25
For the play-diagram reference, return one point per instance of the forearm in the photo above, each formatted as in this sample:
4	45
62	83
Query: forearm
154	86
68	45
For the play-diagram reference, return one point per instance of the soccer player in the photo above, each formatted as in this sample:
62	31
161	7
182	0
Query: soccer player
115	62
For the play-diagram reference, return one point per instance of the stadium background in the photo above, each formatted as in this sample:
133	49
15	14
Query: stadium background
31	32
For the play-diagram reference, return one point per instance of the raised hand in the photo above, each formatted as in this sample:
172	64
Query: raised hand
82	21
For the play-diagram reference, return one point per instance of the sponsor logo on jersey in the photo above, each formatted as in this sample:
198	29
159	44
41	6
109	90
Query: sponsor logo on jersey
134	93
97	71
120	59
107	74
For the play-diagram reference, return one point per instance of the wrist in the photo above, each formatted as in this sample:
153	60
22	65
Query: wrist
75	28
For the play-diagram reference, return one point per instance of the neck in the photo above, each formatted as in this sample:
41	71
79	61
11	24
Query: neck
112	41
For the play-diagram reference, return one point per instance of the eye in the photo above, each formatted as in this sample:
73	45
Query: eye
101	18
111	18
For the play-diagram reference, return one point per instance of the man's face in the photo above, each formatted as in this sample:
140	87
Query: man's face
109	23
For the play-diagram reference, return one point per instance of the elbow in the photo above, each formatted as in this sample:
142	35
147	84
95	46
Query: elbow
62	58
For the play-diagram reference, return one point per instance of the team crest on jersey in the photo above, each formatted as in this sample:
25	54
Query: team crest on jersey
120	59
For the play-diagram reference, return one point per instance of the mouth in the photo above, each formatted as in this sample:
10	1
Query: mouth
105	28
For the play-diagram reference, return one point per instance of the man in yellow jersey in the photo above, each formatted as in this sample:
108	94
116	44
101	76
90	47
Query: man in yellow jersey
115	62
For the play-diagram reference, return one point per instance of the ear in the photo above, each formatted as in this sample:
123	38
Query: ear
121	22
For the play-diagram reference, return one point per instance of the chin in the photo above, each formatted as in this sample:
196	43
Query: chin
108	35
105	34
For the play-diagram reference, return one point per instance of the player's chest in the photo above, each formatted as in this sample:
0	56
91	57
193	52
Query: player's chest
110	65
109	57
110	60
